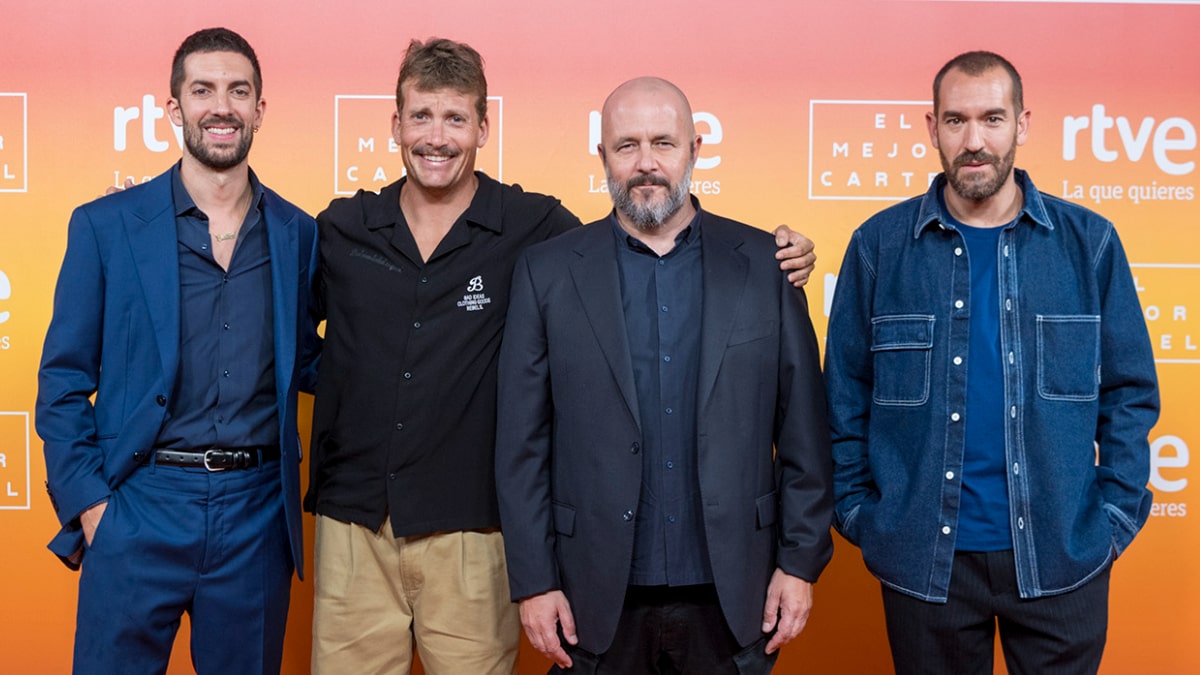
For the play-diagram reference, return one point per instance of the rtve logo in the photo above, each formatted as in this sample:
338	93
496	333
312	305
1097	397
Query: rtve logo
703	120
149	113
1171	142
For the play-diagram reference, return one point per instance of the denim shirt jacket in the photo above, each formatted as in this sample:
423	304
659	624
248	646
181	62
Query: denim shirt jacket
1080	393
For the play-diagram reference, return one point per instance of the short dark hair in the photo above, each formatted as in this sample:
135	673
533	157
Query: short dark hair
975	64
212	40
439	63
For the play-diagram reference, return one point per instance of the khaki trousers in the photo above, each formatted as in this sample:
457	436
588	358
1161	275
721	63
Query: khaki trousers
376	594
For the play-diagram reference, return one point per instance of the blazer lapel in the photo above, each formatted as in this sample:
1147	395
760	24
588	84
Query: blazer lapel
154	246
597	280
283	242
725	269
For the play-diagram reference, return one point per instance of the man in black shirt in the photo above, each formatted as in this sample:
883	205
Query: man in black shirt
414	285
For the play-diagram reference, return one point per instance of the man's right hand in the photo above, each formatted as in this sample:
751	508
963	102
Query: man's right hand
90	520
113	189
541	615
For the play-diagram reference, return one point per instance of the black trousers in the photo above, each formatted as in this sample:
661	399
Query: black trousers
1060	634
676	631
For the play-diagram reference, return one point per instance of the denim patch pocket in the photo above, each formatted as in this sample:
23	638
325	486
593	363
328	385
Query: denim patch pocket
1068	357
901	344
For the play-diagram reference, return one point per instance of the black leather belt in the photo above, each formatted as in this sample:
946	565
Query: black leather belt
216	459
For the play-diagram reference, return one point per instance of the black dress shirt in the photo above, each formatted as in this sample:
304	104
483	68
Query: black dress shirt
662	301
404	422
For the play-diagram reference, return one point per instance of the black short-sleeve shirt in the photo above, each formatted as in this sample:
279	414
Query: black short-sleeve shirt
405	413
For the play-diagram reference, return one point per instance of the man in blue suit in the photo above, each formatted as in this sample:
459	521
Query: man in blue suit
167	391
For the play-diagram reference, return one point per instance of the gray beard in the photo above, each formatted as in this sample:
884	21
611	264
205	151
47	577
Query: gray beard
648	217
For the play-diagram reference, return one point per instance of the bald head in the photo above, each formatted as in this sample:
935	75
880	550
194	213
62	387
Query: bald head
643	90
648	143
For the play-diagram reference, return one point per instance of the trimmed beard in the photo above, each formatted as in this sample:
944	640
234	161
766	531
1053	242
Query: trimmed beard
649	217
193	138
979	190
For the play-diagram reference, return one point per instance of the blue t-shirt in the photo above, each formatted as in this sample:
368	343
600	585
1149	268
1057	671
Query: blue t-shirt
983	523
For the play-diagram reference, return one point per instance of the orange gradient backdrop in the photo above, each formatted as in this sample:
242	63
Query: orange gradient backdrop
801	103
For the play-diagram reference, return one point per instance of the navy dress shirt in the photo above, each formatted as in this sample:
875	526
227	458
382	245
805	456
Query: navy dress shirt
662	302
225	389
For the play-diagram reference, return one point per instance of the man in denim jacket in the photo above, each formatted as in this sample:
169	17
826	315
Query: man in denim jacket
991	387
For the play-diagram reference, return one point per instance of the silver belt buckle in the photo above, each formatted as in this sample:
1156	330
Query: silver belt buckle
209	454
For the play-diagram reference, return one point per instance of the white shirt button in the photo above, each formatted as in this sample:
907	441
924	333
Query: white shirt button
955	416
958	360
946	529
958	250
949	475
958	304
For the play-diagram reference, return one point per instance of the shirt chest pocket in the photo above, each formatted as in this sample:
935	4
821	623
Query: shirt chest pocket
1068	349
901	346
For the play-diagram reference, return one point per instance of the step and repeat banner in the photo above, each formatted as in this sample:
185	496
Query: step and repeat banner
812	114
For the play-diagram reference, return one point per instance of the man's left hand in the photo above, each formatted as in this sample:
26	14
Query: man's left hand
796	254
789	600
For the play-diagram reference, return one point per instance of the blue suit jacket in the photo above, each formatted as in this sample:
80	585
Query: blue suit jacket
568	462
111	354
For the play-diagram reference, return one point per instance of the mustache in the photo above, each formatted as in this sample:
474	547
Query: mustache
647	179
228	120
975	157
440	150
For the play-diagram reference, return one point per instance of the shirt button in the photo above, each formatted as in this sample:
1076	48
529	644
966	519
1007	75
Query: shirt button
635	448
663	308
160	400
408	376
424	280
627	516
661	262
392	476
955	417
957	250
1012	412
1017	468
945	529
226	373
1008	304
225	326
1020	523
670	464
416	324
670	410
949	475
958	304
670	519
1011	358
203	247
666	359
399	426
958	360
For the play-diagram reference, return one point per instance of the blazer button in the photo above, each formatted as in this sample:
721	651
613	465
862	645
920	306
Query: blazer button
160	400
627	516
635	448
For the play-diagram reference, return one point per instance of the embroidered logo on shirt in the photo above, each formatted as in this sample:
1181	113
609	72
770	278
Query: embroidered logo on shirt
474	299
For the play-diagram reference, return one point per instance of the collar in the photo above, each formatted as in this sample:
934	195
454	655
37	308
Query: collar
184	204
932	211
485	210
